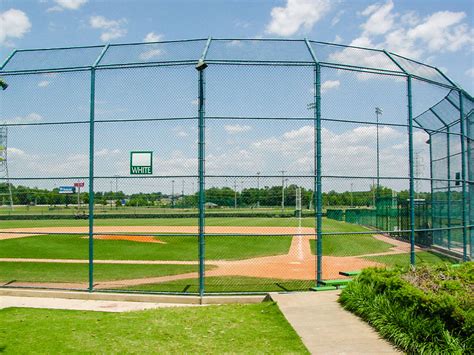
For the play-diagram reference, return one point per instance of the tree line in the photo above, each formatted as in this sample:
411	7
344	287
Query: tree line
215	196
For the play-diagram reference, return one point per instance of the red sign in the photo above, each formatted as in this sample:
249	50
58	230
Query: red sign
79	184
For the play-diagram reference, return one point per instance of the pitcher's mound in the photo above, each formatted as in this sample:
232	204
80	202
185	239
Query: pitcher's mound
131	238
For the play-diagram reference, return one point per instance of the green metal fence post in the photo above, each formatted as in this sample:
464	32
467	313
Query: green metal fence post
463	177
318	195
91	182
91	169
470	175
319	199
8	59
448	133
200	67
430	140
412	172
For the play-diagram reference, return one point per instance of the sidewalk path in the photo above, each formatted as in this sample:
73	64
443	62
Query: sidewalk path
326	328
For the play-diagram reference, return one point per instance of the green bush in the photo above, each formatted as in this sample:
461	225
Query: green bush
426	310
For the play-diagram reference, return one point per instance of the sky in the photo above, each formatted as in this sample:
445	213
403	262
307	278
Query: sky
440	33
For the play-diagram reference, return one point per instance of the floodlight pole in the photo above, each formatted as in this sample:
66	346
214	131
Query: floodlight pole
378	111
258	189
282	191
172	193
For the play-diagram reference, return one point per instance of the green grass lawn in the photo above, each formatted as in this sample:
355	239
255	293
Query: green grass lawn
177	247
228	284
63	272
250	329
351	245
422	257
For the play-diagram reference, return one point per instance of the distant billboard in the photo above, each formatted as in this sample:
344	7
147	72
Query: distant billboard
67	190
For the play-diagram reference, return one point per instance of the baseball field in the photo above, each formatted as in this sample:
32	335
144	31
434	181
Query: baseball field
161	255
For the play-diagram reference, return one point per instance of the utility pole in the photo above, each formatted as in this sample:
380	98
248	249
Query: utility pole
283	190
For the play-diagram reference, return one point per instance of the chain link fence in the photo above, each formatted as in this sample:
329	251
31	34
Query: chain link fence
228	166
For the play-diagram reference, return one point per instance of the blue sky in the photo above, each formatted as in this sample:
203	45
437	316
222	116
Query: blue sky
51	23
437	32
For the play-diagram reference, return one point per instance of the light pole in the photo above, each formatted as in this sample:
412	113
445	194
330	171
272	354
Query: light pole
352	197
235	194
258	189
378	111
182	191
172	193
282	190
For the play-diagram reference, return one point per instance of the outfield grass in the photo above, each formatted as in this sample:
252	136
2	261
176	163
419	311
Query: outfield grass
228	284
422	257
65	272
329	225
351	245
249	329
176	247
100	209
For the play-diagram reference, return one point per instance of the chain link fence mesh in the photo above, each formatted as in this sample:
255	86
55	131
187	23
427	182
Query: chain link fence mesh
232	200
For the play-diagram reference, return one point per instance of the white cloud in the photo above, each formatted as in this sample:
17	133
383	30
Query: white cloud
30	118
111	29
337	39
336	19
44	83
470	72
107	152
150	54
153	37
297	14
443	30
407	34
380	18
13	24
70	4
234	129
329	85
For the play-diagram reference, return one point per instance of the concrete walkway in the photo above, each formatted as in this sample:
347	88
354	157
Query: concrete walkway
326	328
81	305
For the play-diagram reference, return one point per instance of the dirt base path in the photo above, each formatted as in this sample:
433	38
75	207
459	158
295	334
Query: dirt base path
298	264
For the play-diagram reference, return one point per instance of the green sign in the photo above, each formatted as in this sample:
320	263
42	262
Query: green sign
141	163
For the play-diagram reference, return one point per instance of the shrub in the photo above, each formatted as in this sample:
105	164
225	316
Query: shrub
422	310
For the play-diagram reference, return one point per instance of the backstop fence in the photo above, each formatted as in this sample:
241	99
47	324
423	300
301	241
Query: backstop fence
228	165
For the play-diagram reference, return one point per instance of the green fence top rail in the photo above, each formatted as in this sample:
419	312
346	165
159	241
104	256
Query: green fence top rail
221	50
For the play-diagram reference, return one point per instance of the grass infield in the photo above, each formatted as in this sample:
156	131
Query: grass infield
246	329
